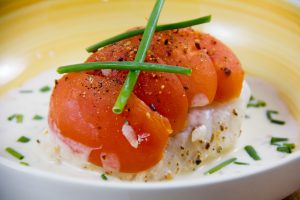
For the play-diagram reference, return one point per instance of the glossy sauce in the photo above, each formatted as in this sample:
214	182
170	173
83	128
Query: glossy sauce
42	152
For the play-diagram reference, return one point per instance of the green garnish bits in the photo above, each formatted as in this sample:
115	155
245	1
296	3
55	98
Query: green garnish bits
270	114
252	152
24	163
132	33
253	102
241	163
25	91
104	177
37	117
220	166
23	139
17	117
281	146
139	58
275	140
45	89
14	153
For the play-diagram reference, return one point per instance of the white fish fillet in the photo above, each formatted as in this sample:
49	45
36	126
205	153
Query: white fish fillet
211	130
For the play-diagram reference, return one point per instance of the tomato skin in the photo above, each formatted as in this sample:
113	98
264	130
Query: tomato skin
162	92
81	103
228	68
81	110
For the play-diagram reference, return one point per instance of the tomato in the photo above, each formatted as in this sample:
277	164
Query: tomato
228	67
81	110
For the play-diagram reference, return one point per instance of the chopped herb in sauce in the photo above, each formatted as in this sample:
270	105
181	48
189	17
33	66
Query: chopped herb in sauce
37	117
290	145
272	120
45	89
275	140
256	103
252	152
24	163
284	149
104	177
25	91
23	139
18	117
220	166
14	153
240	163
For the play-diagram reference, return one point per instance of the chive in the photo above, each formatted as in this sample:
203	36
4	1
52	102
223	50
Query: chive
252	153
23	139
275	140
140	57
37	117
14	153
220	166
18	117
24	163
284	149
25	91
104	177
256	103
241	163
290	145
123	66
274	121
45	89
10	118
132	33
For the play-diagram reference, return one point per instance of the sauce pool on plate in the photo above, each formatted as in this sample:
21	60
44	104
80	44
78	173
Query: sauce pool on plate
24	128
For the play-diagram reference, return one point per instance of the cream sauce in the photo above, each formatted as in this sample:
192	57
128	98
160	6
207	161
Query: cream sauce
256	131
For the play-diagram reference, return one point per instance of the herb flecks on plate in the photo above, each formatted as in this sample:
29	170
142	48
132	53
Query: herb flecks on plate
270	114
104	177
255	103
252	152
23	139
37	117
18	117
240	163
45	88
25	91
282	145
14	153
220	166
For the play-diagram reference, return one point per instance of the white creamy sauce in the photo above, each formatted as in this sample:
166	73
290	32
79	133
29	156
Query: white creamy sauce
256	131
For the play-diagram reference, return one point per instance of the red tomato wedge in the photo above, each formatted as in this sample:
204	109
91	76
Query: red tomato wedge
228	67
81	110
181	47
162	92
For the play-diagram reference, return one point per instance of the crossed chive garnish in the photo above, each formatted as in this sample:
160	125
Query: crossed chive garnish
138	64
